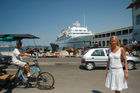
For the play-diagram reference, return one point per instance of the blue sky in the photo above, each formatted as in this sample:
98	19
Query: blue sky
46	18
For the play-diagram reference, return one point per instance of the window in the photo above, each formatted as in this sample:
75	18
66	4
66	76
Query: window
96	36
130	31
103	35
125	42
125	32
135	34
99	36
103	43
112	33
138	20
118	33
99	43
107	43
120	41
137	6
98	53
108	35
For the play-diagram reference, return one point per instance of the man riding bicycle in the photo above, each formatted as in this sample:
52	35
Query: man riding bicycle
17	58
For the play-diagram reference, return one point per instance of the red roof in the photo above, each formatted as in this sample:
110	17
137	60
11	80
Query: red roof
133	3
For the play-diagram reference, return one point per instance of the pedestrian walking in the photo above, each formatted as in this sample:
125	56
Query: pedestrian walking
116	78
134	45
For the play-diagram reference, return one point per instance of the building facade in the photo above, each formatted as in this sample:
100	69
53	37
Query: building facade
135	5
124	34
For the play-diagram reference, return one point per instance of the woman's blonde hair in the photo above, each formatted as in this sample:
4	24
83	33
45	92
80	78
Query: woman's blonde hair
114	38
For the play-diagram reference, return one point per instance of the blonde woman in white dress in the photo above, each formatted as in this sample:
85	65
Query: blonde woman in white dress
116	78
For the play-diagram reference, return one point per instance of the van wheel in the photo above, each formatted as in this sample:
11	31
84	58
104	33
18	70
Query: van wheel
90	66
131	65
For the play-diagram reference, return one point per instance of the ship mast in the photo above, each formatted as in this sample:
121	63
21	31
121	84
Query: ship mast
84	22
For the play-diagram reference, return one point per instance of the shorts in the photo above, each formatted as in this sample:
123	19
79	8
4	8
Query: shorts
19	63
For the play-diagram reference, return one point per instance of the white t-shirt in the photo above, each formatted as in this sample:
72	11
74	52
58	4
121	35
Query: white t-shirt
17	59
15	55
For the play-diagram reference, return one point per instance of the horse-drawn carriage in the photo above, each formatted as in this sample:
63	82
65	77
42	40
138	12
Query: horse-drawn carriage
131	49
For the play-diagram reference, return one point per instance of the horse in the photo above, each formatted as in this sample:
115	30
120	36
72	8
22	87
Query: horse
74	50
55	47
128	49
136	48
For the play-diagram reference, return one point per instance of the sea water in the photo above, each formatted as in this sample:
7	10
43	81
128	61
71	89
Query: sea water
10	49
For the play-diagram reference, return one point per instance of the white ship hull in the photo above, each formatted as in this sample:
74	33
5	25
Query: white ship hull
78	42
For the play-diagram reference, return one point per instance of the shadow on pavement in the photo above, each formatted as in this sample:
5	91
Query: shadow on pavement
96	68
7	88
101	68
96	91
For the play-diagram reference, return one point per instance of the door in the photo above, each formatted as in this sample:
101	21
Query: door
99	57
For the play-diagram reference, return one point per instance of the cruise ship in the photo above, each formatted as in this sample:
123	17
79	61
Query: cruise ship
75	36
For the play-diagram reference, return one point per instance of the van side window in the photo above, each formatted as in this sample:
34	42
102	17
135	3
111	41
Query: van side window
98	53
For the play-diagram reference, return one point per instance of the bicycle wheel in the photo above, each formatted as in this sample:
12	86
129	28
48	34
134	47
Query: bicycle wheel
45	80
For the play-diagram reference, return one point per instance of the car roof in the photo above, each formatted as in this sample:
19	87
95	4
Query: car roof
99	48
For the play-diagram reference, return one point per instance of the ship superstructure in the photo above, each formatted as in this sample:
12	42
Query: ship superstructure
75	36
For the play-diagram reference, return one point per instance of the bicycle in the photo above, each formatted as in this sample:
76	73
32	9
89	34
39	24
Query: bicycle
44	80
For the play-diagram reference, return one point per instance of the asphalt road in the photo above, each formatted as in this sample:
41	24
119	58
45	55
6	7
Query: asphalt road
70	78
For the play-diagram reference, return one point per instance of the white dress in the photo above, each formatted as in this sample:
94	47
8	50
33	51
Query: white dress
115	79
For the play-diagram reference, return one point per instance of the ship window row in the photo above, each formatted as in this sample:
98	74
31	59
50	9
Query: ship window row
80	30
117	33
79	33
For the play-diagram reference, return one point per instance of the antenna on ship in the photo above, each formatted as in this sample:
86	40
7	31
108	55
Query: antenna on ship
84	21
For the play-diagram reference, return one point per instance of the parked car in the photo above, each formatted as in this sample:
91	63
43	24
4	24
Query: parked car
99	57
5	59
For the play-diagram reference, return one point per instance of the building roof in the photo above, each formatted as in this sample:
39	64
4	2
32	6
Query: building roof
114	30
134	2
